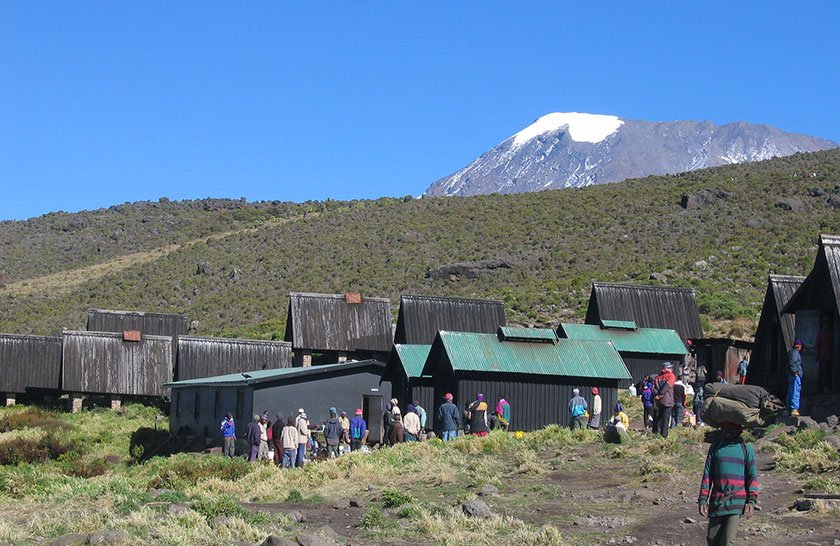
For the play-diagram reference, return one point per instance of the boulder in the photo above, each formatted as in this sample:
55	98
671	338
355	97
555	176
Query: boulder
274	540
109	536
807	423
834	202
702	198
341	504
833	440
791	204
488	491
477	509
803	505
296	516
832	420
308	539
72	539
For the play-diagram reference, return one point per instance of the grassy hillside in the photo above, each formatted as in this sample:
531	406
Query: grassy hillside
553	245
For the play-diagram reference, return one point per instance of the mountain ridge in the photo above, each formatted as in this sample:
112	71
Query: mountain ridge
547	154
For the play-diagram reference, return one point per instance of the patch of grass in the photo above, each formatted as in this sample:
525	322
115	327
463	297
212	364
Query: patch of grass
221	506
374	518
662	446
394	498
294	496
822	484
184	470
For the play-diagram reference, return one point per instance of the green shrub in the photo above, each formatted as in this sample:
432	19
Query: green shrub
393	498
822	484
294	496
189	470
222	506
374	518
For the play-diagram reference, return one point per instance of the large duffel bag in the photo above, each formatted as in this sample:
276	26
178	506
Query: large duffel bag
718	409
751	396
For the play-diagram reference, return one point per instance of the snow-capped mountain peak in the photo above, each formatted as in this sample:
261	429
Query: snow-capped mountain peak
582	127
572	149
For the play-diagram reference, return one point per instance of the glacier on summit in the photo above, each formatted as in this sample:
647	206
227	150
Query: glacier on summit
572	149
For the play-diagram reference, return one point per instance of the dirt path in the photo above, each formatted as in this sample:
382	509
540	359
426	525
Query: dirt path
64	281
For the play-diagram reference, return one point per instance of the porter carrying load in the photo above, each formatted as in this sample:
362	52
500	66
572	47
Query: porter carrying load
746	405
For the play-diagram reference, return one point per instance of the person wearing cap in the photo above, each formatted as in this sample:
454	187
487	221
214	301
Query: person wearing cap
264	427
794	378
345	427
663	394
332	434
503	413
479	425
449	418
595	414
303	438
228	430
358	431
577	410
729	488
252	436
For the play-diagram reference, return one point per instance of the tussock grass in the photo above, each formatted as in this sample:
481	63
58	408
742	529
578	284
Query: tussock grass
805	451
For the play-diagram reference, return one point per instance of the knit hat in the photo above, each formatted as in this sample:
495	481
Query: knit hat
667	366
394	401
798	342
480	397
265	415
618	408
333	410
594	390
300	410
343	413
410	408
576	391
448	396
358	411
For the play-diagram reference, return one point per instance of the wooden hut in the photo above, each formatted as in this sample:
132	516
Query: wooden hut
29	363
335	327
533	369
207	357
115	364
647	306
642	349
720	354
816	306
422	317
774	335
408	384
198	405
172	325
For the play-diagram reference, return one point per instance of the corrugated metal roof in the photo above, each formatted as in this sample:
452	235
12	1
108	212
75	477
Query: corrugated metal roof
621	324
262	376
821	288
641	340
326	322
208	356
515	333
647	306
475	352
422	317
412	358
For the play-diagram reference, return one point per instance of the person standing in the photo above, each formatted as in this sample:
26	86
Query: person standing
824	349
698	406
679	404
387	422
647	403
742	369
345	427
595	414
228	430
263	455
332	434
663	394
358	431
577	410
794	378
277	439
411	424
252	435
449	417
303	438
397	435
700	377
503	413
289	443
421	413
479	425
729	488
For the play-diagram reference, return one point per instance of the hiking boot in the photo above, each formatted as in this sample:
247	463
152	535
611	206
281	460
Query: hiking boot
794	413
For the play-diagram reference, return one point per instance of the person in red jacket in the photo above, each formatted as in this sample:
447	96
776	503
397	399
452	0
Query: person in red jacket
663	393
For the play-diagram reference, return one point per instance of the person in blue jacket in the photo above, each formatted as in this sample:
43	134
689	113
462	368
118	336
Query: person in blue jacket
358	431
228	430
647	403
577	410
794	377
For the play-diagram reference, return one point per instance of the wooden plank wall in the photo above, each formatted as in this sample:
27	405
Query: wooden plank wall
29	362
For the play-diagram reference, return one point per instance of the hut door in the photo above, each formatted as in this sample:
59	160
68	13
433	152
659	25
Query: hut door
372	410
807	327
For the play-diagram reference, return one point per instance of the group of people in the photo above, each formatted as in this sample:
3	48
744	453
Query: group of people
292	440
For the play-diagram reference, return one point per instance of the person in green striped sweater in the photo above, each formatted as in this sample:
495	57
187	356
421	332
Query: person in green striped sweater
729	488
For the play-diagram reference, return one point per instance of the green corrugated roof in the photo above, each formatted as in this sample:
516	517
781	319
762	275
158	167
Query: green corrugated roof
536	334
572	358
621	324
413	358
259	376
642	340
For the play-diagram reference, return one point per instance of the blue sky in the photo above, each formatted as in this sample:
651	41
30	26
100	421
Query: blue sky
108	102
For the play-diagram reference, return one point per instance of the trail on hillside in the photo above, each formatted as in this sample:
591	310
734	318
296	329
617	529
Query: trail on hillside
64	281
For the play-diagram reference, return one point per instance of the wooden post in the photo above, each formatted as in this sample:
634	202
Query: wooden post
116	402
10	399
76	403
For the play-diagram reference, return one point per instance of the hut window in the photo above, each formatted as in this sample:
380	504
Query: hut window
216	401
240	402
197	404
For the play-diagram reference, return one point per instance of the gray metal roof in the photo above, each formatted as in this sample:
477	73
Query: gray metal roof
326	322
649	306
158	324
821	288
266	376
422	317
